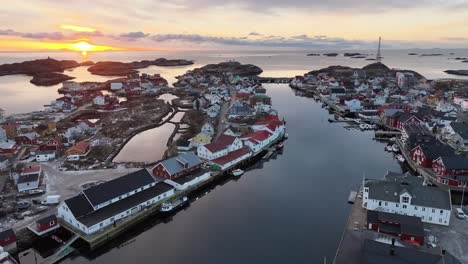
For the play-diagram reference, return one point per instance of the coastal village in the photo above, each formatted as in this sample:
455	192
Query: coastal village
59	172
414	217
232	124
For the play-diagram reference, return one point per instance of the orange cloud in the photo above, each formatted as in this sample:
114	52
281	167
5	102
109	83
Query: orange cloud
77	28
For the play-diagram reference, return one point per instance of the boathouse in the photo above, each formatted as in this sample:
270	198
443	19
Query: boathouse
106	204
177	166
408	228
221	147
451	165
424	154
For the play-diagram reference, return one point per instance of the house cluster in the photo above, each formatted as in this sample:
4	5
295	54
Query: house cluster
139	85
427	151
233	147
110	203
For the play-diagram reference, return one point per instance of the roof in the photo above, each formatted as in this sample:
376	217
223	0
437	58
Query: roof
460	128
5	234
47	219
394	184
175	165
417	130
3	158
391	112
34	177
81	146
380	253
109	190
79	205
404	224
233	155
433	151
260	135
31	169
221	143
113	209
455	162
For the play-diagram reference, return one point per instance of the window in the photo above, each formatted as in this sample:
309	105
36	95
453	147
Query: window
386	203
397	205
441	211
430	218
366	190
415	208
405	199
424	209
404	206
433	210
380	203
100	224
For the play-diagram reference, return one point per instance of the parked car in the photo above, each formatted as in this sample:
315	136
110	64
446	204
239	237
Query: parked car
23	205
460	214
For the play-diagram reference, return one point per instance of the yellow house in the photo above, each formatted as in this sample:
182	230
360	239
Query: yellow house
52	126
201	139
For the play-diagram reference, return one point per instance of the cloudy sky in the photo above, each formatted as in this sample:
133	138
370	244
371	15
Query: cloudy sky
232	24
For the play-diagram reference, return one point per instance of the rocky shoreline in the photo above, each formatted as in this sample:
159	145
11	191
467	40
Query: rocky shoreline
115	68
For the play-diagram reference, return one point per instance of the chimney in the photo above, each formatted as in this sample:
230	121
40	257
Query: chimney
392	248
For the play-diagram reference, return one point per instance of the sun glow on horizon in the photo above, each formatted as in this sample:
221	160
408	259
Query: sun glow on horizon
83	46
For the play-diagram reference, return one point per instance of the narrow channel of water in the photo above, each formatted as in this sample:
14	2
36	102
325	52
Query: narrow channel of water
291	209
148	146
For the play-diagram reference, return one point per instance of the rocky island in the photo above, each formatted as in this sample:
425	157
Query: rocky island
49	78
313	54
115	68
457	72
330	54
37	66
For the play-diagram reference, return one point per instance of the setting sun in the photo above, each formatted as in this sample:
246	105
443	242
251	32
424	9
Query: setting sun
83	46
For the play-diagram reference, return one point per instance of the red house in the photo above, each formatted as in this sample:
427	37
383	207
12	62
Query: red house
408	228
177	166
54	144
451	166
425	154
8	240
46	223
80	148
27	139
403	119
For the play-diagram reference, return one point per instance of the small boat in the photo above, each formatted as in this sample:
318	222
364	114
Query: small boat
268	155
169	206
400	158
237	172
389	148
286	136
395	148
280	146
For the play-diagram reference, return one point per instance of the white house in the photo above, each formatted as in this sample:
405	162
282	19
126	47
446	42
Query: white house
406	195
221	147
3	136
44	156
354	105
101	206
207	129
29	178
116	86
258	140
4	163
99	100
232	158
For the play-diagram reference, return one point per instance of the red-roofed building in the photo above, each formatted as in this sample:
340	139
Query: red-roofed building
258	140
31	170
81	148
220	147
232	158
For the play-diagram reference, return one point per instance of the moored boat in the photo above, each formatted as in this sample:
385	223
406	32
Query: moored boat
395	148
169	206
400	158
280	146
237	172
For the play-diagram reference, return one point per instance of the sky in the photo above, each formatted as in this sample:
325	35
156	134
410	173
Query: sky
231	24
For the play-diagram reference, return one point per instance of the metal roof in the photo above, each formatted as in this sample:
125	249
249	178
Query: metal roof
175	165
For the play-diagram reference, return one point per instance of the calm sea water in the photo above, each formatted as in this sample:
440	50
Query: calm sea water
18	95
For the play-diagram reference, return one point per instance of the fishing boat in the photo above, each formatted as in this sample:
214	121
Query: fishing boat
395	148
400	158
389	148
237	172
169	206
280	146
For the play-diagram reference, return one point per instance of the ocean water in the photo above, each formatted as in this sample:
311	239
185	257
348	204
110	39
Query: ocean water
17	95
